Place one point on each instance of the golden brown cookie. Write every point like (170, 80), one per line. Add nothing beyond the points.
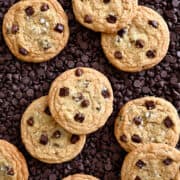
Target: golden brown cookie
(147, 120)
(36, 31)
(12, 163)
(152, 162)
(139, 45)
(104, 15)
(80, 177)
(44, 138)
(81, 100)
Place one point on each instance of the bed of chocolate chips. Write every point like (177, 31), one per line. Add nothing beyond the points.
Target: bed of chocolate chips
(20, 83)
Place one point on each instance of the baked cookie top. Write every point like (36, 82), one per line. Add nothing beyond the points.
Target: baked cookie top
(36, 31)
(81, 100)
(44, 138)
(139, 45)
(80, 177)
(12, 163)
(152, 162)
(104, 15)
(147, 120)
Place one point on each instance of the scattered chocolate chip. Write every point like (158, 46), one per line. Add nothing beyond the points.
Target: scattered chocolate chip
(56, 134)
(23, 51)
(85, 103)
(47, 111)
(74, 139)
(30, 121)
(29, 11)
(123, 138)
(153, 23)
(137, 178)
(118, 55)
(122, 32)
(111, 19)
(150, 105)
(44, 139)
(88, 19)
(79, 72)
(137, 120)
(167, 161)
(59, 28)
(105, 93)
(64, 92)
(151, 53)
(136, 138)
(10, 171)
(106, 1)
(140, 164)
(139, 43)
(79, 117)
(44, 7)
(15, 28)
(168, 122)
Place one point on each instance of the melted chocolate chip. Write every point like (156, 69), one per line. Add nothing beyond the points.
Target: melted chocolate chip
(123, 138)
(137, 178)
(59, 28)
(47, 111)
(79, 72)
(167, 161)
(44, 139)
(29, 11)
(10, 171)
(44, 7)
(88, 19)
(23, 51)
(111, 19)
(137, 120)
(74, 139)
(139, 43)
(85, 103)
(64, 92)
(79, 117)
(106, 1)
(136, 138)
(56, 134)
(168, 122)
(118, 55)
(153, 23)
(30, 121)
(15, 28)
(105, 93)
(140, 164)
(151, 53)
(150, 105)
(122, 32)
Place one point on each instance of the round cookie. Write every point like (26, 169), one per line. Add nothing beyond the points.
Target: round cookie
(80, 177)
(139, 45)
(147, 120)
(152, 162)
(36, 31)
(104, 15)
(12, 163)
(44, 138)
(81, 100)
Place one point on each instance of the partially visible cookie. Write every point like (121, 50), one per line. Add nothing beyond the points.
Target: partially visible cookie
(152, 162)
(147, 120)
(139, 45)
(104, 15)
(36, 31)
(12, 163)
(81, 100)
(44, 138)
(80, 177)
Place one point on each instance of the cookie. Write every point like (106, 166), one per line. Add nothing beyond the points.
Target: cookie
(80, 177)
(104, 15)
(81, 100)
(139, 45)
(12, 163)
(36, 31)
(147, 120)
(44, 139)
(152, 162)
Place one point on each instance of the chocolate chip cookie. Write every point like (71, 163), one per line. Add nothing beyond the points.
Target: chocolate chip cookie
(145, 120)
(36, 31)
(44, 138)
(152, 162)
(80, 177)
(139, 45)
(104, 15)
(12, 163)
(81, 100)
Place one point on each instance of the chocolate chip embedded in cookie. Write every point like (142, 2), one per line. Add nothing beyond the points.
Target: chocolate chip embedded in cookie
(36, 31)
(81, 100)
(104, 16)
(139, 45)
(80, 177)
(147, 120)
(44, 139)
(12, 163)
(153, 161)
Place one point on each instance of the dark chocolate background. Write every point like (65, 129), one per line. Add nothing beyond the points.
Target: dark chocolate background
(20, 83)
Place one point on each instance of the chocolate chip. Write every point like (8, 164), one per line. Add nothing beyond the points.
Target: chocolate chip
(151, 53)
(137, 120)
(47, 111)
(168, 122)
(122, 32)
(85, 103)
(44, 7)
(56, 134)
(79, 117)
(23, 51)
(10, 171)
(106, 1)
(105, 93)
(137, 178)
(111, 19)
(15, 28)
(88, 19)
(29, 11)
(123, 138)
(136, 138)
(44, 139)
(118, 55)
(140, 164)
(64, 92)
(79, 72)
(153, 23)
(139, 43)
(30, 121)
(78, 97)
(150, 105)
(59, 28)
(74, 139)
(167, 161)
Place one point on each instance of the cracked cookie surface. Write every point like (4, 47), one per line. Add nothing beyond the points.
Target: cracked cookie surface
(80, 177)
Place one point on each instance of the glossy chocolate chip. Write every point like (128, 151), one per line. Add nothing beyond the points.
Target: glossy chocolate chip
(59, 27)
(29, 11)
(14, 29)
(79, 117)
(85, 103)
(88, 19)
(23, 51)
(64, 92)
(44, 7)
(56, 134)
(79, 72)
(122, 32)
(151, 53)
(137, 120)
(10, 171)
(153, 23)
(74, 139)
(30, 121)
(47, 111)
(140, 164)
(168, 122)
(123, 138)
(105, 93)
(118, 55)
(150, 105)
(106, 1)
(44, 139)
(111, 19)
(136, 138)
(139, 43)
(137, 178)
(168, 161)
